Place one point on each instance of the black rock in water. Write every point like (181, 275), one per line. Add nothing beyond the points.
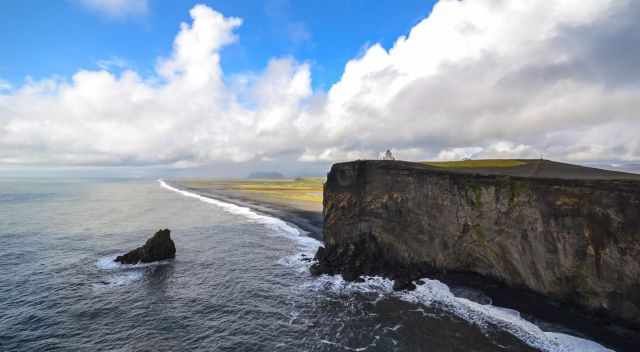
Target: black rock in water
(158, 247)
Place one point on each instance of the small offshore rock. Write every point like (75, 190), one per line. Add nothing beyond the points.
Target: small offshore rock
(158, 247)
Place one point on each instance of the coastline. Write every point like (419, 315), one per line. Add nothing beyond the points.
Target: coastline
(305, 218)
(547, 313)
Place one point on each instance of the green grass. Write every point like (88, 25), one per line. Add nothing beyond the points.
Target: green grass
(483, 163)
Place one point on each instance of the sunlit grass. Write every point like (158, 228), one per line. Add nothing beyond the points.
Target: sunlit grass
(303, 189)
(482, 163)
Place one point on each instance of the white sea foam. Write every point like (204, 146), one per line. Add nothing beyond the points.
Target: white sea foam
(121, 274)
(432, 293)
(119, 279)
(435, 293)
(107, 263)
(278, 226)
(125, 278)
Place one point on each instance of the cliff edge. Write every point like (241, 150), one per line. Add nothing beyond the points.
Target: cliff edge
(564, 231)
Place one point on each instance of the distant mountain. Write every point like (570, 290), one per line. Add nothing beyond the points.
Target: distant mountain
(271, 175)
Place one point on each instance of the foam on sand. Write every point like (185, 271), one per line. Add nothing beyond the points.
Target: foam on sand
(279, 226)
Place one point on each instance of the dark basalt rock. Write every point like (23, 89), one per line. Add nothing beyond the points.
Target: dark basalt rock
(158, 247)
(565, 232)
(365, 257)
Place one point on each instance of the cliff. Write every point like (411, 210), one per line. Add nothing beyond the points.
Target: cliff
(563, 231)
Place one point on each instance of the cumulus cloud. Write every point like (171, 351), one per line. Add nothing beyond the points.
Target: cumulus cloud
(183, 115)
(532, 77)
(484, 78)
(112, 63)
(117, 8)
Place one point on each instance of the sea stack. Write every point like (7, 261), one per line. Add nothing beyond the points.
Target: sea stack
(158, 247)
(567, 232)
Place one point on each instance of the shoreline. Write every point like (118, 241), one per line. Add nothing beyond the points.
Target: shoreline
(546, 312)
(307, 220)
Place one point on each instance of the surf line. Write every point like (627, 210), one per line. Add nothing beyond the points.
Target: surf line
(432, 293)
(272, 222)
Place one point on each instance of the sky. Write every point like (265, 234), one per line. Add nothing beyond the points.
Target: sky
(224, 88)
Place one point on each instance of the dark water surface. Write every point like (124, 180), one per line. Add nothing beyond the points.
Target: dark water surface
(238, 283)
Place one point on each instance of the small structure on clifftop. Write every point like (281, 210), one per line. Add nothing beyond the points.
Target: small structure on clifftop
(567, 232)
(388, 156)
(158, 247)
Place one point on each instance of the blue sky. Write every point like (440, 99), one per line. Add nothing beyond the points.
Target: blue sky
(300, 85)
(45, 38)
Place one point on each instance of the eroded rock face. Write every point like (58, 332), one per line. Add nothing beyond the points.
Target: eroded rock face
(158, 247)
(573, 240)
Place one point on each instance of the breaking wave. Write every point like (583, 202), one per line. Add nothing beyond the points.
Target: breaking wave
(279, 226)
(432, 293)
(117, 274)
(436, 294)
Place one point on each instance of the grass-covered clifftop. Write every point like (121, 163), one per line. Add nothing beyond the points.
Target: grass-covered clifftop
(528, 168)
(304, 193)
(563, 231)
(481, 163)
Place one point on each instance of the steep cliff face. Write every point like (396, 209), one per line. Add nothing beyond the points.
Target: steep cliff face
(576, 240)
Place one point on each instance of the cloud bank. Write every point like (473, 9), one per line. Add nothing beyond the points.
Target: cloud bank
(484, 78)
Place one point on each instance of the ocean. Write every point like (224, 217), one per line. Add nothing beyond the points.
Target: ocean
(239, 282)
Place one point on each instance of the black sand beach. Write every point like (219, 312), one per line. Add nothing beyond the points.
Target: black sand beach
(305, 215)
(554, 315)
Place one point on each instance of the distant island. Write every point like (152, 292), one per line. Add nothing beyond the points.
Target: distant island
(266, 175)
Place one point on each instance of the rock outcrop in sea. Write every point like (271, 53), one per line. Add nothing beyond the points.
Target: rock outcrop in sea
(566, 232)
(158, 247)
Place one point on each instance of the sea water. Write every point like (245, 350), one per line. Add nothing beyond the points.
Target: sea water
(239, 282)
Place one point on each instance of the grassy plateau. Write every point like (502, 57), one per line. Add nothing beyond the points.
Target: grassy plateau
(480, 164)
(307, 190)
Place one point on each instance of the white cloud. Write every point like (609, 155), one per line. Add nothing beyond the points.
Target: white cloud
(184, 115)
(114, 62)
(117, 8)
(4, 85)
(481, 78)
(489, 73)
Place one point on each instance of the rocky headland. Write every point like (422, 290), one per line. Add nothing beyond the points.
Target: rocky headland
(553, 230)
(158, 247)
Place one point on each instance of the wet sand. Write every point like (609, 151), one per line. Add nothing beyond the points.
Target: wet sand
(547, 313)
(307, 215)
